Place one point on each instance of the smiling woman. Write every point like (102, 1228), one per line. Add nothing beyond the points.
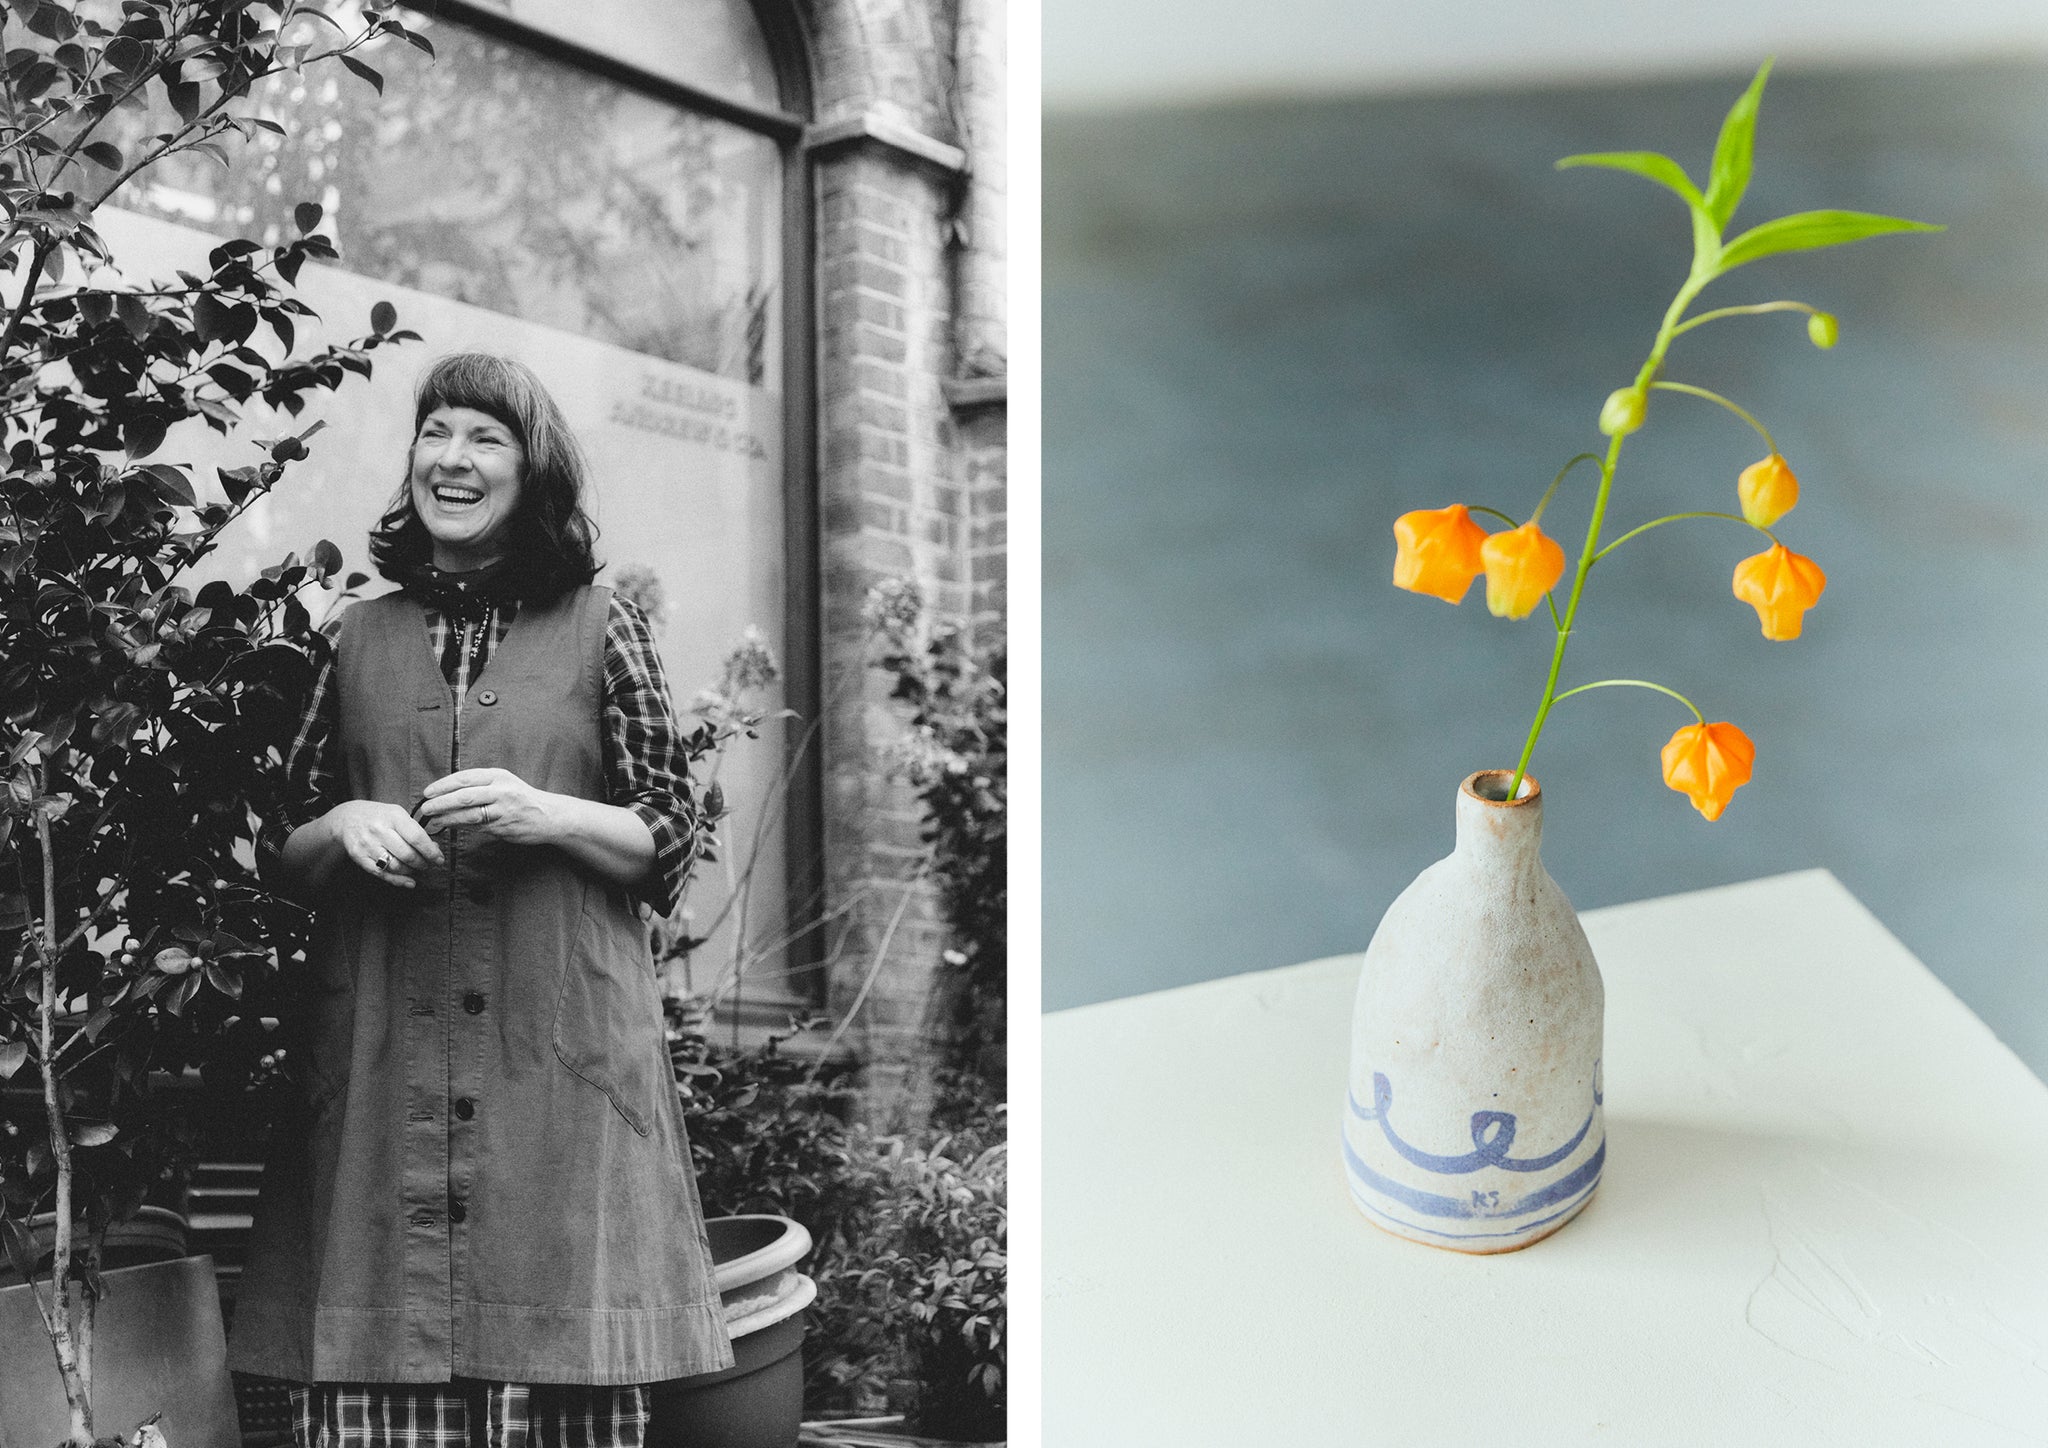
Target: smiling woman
(488, 784)
(465, 475)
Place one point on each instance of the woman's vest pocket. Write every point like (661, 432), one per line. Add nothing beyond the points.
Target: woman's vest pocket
(608, 1018)
(328, 1006)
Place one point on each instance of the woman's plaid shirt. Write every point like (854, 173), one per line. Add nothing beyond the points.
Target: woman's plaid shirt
(468, 1414)
(645, 768)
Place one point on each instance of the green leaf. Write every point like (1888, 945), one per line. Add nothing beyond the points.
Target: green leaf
(184, 100)
(211, 318)
(1734, 152)
(357, 68)
(134, 314)
(1807, 230)
(94, 1133)
(12, 1056)
(171, 484)
(125, 54)
(1648, 164)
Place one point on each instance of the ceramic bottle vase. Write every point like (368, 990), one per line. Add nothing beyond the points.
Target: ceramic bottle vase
(1474, 1119)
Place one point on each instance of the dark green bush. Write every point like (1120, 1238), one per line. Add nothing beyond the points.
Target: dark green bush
(910, 1235)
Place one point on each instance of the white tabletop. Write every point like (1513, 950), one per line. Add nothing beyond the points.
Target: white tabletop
(1824, 1218)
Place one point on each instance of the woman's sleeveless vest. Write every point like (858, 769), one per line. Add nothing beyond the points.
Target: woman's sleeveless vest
(494, 1182)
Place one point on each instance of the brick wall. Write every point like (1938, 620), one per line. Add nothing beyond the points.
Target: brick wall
(911, 447)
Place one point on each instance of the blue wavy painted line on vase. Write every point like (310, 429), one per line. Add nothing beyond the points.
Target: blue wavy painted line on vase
(1493, 1135)
(1480, 1207)
(1520, 1229)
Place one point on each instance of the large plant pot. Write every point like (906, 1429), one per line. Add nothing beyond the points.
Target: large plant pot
(158, 1348)
(1474, 1120)
(757, 1402)
(153, 1234)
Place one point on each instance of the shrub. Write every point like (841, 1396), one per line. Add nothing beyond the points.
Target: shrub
(136, 715)
(955, 752)
(932, 1273)
(910, 1235)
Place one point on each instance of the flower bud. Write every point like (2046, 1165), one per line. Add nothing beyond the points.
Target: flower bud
(1768, 490)
(1622, 413)
(1823, 329)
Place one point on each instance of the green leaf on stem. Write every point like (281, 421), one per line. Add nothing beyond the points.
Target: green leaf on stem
(1648, 164)
(1734, 153)
(134, 314)
(1809, 230)
(184, 98)
(126, 54)
(356, 67)
(171, 484)
(13, 1056)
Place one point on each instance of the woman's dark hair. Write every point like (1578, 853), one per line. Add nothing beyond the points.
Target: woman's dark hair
(549, 545)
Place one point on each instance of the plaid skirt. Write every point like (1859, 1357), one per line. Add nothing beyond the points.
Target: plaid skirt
(467, 1414)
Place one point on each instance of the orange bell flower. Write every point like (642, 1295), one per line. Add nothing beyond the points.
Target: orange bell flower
(1780, 585)
(1522, 565)
(1708, 763)
(1438, 551)
(1768, 491)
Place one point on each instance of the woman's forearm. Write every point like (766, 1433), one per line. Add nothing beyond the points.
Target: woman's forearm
(607, 838)
(309, 857)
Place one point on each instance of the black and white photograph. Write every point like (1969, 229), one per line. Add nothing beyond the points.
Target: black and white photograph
(503, 640)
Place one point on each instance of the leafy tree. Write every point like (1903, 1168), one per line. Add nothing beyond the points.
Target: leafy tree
(137, 713)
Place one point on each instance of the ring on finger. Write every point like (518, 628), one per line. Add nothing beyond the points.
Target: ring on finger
(386, 862)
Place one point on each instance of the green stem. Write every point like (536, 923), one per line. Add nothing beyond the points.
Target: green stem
(1492, 513)
(1666, 330)
(1716, 397)
(1581, 458)
(1632, 684)
(1679, 518)
(1751, 311)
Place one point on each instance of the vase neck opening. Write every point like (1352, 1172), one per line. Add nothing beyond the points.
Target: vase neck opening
(1492, 827)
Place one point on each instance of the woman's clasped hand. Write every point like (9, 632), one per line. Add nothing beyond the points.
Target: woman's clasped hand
(493, 802)
(396, 847)
(384, 840)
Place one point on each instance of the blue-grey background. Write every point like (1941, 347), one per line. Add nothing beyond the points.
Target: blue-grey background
(1270, 328)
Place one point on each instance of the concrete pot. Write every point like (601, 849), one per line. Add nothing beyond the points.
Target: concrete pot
(158, 1348)
(757, 1402)
(1474, 1119)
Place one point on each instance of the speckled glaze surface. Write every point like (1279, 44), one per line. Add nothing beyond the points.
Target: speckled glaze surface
(1474, 1116)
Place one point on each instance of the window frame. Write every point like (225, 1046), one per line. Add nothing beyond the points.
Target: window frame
(802, 645)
